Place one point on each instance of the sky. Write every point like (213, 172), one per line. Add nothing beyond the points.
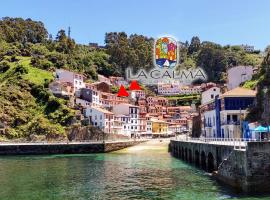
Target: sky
(225, 22)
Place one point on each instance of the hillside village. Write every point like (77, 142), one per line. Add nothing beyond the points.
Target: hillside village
(141, 115)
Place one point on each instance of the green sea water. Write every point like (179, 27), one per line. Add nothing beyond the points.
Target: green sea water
(146, 171)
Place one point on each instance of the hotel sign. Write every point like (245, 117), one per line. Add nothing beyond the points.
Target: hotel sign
(166, 66)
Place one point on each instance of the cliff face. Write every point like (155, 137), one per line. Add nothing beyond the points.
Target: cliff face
(260, 111)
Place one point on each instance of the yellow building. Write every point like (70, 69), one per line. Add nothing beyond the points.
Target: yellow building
(159, 127)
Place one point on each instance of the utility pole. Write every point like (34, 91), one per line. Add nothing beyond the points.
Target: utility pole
(69, 31)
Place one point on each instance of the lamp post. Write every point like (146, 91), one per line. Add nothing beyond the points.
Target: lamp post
(266, 110)
(103, 135)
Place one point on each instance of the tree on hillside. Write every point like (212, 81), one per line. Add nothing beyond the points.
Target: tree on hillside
(20, 30)
(194, 45)
(134, 51)
(213, 60)
(64, 43)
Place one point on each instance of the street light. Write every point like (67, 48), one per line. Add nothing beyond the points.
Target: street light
(266, 111)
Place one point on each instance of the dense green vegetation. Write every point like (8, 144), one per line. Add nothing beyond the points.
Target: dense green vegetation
(27, 106)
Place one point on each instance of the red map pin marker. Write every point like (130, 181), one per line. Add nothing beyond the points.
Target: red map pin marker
(122, 92)
(134, 85)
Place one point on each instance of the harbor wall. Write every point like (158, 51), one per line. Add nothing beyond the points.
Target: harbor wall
(244, 169)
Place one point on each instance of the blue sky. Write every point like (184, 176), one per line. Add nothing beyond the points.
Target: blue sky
(223, 21)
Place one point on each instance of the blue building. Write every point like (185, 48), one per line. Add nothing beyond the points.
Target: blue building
(222, 117)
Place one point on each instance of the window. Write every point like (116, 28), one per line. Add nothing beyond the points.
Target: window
(100, 117)
(212, 96)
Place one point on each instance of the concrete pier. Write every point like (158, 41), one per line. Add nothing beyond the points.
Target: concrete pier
(64, 148)
(245, 169)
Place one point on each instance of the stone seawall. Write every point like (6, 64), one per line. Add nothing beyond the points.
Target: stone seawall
(61, 148)
(247, 170)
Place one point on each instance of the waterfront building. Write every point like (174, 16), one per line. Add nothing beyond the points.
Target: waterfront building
(238, 75)
(132, 112)
(118, 125)
(76, 80)
(100, 118)
(222, 117)
(159, 127)
(174, 128)
(142, 126)
(124, 122)
(149, 126)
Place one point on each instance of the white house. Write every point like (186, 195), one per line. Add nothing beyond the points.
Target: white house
(210, 94)
(77, 80)
(91, 95)
(124, 122)
(101, 118)
(132, 112)
(238, 75)
(82, 102)
(140, 94)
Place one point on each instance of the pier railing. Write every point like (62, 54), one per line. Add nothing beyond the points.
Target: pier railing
(237, 143)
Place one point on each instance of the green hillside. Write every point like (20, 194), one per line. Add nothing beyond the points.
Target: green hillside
(26, 106)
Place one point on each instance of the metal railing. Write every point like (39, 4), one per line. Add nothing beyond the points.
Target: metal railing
(237, 143)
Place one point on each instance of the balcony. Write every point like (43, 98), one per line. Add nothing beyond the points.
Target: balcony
(208, 125)
(230, 123)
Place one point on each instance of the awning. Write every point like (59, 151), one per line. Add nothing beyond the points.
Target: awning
(260, 129)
